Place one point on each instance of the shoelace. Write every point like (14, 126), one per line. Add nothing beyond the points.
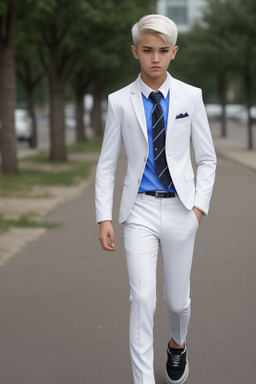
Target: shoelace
(176, 360)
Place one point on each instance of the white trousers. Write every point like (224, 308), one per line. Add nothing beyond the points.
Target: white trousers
(155, 222)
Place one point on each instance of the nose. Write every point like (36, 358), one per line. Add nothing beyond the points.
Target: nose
(155, 58)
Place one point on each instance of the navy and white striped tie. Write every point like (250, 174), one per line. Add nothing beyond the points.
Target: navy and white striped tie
(159, 140)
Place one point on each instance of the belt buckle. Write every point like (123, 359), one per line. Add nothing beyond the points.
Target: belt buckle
(159, 193)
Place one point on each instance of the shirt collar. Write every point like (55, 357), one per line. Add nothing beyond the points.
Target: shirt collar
(164, 89)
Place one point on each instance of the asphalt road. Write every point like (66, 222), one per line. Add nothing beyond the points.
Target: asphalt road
(64, 302)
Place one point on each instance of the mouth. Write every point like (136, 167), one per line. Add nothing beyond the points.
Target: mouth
(155, 67)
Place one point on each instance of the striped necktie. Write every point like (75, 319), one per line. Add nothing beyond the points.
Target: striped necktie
(159, 140)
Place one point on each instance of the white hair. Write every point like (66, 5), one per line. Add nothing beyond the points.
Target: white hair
(157, 24)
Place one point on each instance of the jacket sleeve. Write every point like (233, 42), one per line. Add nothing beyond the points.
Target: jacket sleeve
(204, 155)
(105, 173)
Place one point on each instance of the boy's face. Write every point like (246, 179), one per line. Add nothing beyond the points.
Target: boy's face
(154, 56)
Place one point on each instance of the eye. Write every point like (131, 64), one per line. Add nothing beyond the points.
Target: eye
(146, 50)
(164, 51)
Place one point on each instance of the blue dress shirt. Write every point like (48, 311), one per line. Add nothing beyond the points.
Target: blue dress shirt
(150, 180)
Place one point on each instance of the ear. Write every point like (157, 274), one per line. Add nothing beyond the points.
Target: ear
(174, 51)
(134, 51)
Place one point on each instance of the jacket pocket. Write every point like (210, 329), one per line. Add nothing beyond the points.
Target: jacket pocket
(188, 176)
(195, 218)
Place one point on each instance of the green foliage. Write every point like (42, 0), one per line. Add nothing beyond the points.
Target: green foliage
(104, 46)
(221, 48)
(53, 22)
(24, 221)
(28, 65)
(92, 39)
(3, 8)
(88, 37)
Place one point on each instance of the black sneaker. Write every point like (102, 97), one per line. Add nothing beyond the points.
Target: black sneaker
(177, 365)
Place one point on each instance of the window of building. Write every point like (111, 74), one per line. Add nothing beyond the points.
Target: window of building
(178, 11)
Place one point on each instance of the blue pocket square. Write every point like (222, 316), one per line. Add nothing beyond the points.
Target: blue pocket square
(181, 115)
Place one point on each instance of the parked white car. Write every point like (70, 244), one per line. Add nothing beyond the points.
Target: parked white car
(23, 125)
(233, 111)
(70, 117)
(213, 111)
(244, 116)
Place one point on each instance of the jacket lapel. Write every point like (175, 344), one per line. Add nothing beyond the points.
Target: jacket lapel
(173, 105)
(138, 107)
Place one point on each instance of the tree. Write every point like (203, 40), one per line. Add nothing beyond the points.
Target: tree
(7, 87)
(210, 46)
(80, 84)
(55, 22)
(218, 52)
(242, 25)
(222, 47)
(106, 45)
(210, 54)
(11, 12)
(28, 68)
(233, 24)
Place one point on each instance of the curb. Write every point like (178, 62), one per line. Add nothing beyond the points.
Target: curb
(235, 151)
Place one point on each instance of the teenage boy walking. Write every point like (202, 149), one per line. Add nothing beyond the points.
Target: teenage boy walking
(155, 118)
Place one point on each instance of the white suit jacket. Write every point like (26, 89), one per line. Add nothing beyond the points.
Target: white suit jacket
(126, 124)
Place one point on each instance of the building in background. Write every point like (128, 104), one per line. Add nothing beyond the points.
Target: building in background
(183, 12)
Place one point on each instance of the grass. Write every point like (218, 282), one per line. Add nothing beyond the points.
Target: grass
(50, 174)
(21, 184)
(90, 145)
(93, 144)
(24, 221)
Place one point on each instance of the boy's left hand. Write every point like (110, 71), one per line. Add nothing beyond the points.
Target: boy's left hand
(198, 214)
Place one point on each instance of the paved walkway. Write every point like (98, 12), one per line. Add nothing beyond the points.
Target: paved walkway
(64, 302)
(235, 151)
(13, 241)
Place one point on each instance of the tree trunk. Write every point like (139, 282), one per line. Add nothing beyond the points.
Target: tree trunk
(31, 111)
(8, 99)
(97, 111)
(80, 128)
(248, 92)
(223, 102)
(57, 114)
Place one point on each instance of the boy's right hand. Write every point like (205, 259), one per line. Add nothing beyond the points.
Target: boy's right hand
(106, 236)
